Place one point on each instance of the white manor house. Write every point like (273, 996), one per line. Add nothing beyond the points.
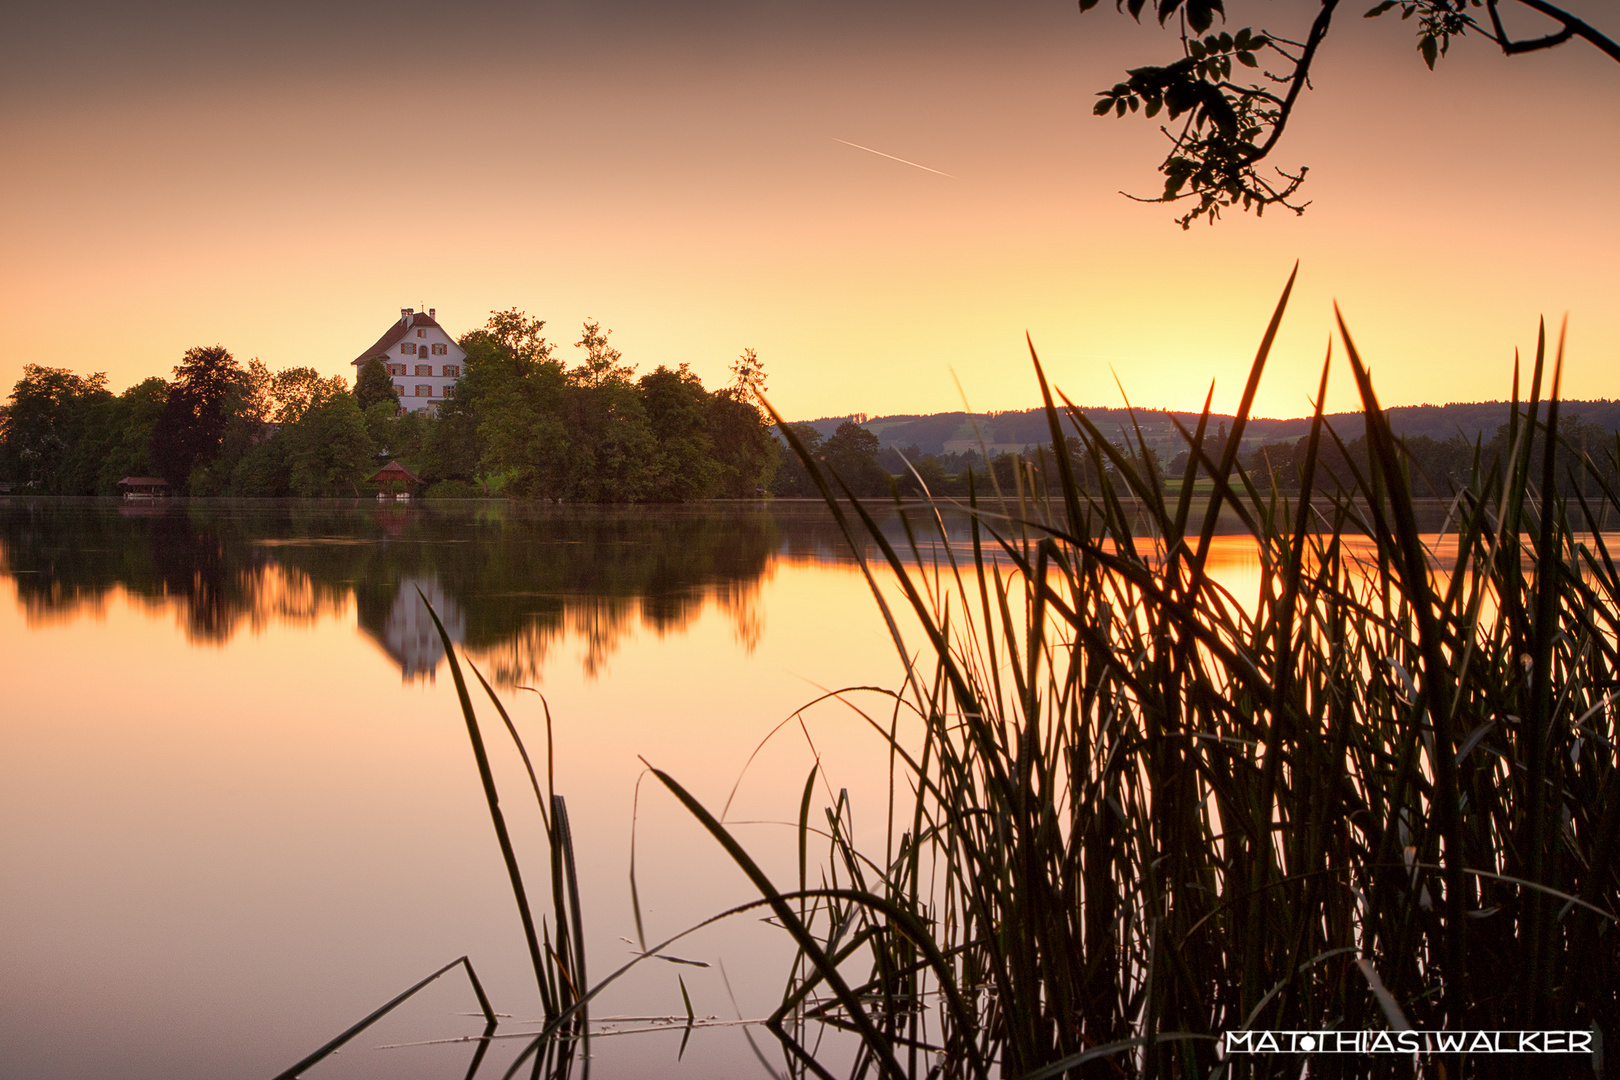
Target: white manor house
(422, 358)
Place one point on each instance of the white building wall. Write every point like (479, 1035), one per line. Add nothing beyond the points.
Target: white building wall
(418, 367)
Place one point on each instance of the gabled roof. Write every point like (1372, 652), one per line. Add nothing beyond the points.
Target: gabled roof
(394, 471)
(396, 333)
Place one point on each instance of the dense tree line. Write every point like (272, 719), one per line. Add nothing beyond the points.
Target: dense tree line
(520, 422)
(1438, 467)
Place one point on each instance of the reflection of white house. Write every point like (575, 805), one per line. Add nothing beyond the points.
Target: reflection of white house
(410, 637)
(425, 362)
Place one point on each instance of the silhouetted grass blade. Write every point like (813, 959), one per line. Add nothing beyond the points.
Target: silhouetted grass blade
(349, 1033)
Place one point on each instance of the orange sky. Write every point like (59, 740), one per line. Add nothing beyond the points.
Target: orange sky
(283, 183)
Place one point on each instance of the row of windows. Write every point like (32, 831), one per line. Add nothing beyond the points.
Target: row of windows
(422, 390)
(451, 371)
(409, 349)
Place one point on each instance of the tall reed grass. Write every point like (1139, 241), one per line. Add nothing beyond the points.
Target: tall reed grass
(1137, 812)
(1143, 812)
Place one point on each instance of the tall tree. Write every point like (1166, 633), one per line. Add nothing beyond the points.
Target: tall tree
(328, 450)
(601, 364)
(509, 361)
(677, 410)
(744, 450)
(45, 421)
(373, 386)
(1230, 122)
(295, 390)
(188, 433)
(852, 454)
(792, 478)
(129, 452)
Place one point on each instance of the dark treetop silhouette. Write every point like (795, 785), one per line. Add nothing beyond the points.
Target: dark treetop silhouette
(1229, 127)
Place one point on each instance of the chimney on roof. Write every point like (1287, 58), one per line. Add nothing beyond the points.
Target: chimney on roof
(404, 314)
(431, 313)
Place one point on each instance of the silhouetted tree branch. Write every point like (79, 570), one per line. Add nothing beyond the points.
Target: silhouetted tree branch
(1229, 127)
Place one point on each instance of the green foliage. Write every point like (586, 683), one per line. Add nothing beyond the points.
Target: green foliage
(677, 409)
(296, 390)
(521, 426)
(129, 426)
(44, 427)
(852, 455)
(328, 451)
(612, 447)
(452, 489)
(793, 478)
(746, 456)
(601, 365)
(373, 386)
(263, 470)
(516, 424)
(209, 388)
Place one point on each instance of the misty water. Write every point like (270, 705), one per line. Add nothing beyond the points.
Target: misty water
(238, 808)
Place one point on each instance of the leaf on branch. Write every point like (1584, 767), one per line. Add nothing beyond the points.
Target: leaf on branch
(1430, 50)
(1372, 14)
(1201, 13)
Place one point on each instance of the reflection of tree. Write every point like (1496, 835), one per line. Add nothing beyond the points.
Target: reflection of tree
(521, 578)
(747, 620)
(68, 556)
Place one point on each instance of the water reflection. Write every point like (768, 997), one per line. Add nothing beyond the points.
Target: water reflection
(409, 636)
(282, 869)
(513, 583)
(510, 582)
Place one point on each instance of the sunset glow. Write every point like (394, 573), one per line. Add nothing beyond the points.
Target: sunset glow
(284, 183)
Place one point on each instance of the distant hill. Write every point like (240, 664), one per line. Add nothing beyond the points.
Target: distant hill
(943, 433)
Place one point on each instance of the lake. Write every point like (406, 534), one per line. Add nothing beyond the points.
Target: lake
(238, 808)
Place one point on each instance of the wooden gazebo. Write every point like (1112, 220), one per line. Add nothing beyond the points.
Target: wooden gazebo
(394, 473)
(144, 487)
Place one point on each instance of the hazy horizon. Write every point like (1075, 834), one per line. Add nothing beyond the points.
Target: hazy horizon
(283, 182)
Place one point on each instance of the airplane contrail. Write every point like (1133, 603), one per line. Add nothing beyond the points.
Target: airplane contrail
(891, 157)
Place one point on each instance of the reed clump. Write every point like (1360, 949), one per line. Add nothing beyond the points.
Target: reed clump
(1136, 811)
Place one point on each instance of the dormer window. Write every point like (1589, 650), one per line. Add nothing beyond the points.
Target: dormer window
(408, 348)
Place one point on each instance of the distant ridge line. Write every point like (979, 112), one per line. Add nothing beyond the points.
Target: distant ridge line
(940, 433)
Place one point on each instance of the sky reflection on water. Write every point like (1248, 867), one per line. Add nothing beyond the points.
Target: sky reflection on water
(240, 812)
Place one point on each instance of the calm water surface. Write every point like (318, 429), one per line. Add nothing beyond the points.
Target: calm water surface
(238, 809)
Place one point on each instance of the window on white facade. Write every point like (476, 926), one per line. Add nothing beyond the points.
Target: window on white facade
(424, 369)
(421, 333)
(441, 350)
(396, 369)
(423, 390)
(408, 348)
(452, 371)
